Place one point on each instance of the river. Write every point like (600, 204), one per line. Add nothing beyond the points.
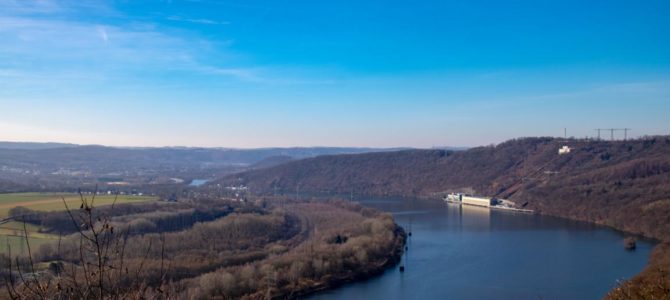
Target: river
(199, 182)
(473, 253)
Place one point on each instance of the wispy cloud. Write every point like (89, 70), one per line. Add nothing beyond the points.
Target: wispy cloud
(35, 44)
(197, 21)
(48, 41)
(67, 45)
(103, 34)
(271, 76)
(246, 74)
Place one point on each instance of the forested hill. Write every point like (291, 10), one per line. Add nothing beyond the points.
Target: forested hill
(624, 184)
(16, 155)
(57, 167)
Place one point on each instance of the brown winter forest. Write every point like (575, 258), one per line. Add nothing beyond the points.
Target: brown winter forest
(622, 184)
(202, 249)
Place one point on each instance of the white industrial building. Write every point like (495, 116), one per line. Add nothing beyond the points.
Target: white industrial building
(477, 201)
(471, 200)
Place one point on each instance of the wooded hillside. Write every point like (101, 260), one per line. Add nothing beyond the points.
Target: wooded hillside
(622, 184)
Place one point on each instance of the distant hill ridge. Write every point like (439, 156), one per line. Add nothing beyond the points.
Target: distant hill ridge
(612, 183)
(33, 145)
(622, 184)
(72, 155)
(55, 166)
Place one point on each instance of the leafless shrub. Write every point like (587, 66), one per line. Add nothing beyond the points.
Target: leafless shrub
(94, 266)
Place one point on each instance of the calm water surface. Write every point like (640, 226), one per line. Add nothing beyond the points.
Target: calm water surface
(472, 253)
(198, 182)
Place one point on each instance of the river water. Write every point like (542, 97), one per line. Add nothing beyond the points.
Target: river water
(473, 253)
(198, 182)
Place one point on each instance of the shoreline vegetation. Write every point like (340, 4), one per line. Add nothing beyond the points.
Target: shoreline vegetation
(267, 247)
(305, 246)
(620, 184)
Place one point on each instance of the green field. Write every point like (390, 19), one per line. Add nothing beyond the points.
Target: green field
(12, 233)
(54, 202)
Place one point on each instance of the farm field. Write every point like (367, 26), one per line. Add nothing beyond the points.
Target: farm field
(53, 201)
(12, 233)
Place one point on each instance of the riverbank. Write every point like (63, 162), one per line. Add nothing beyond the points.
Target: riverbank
(370, 271)
(652, 283)
(455, 248)
(338, 242)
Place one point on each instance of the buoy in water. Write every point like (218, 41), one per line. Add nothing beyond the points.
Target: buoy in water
(402, 268)
(410, 233)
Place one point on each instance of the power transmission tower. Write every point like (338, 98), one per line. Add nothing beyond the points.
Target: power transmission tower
(625, 133)
(612, 130)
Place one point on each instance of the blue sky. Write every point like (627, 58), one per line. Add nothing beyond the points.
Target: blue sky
(330, 73)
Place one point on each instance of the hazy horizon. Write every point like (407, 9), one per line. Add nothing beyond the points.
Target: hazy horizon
(227, 147)
(253, 74)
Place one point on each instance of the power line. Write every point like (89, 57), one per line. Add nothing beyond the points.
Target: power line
(612, 130)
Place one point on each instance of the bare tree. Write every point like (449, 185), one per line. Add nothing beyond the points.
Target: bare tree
(97, 269)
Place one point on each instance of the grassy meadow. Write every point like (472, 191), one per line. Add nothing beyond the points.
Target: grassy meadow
(12, 232)
(54, 201)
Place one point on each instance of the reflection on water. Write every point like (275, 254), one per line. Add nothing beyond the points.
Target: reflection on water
(474, 217)
(474, 253)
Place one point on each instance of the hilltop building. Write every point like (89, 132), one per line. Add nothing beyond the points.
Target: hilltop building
(564, 150)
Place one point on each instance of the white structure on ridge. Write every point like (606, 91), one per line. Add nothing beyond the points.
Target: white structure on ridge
(564, 150)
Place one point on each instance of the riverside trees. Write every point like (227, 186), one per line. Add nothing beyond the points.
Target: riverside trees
(251, 250)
